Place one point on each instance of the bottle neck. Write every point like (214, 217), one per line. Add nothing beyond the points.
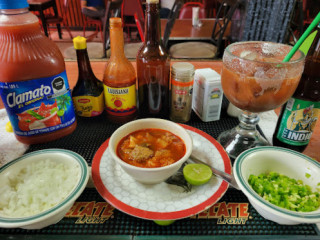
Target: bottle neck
(314, 50)
(311, 66)
(152, 24)
(84, 64)
(116, 41)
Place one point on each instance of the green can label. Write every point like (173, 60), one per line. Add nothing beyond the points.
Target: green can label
(298, 121)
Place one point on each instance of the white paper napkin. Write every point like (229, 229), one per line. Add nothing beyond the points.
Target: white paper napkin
(267, 123)
(10, 147)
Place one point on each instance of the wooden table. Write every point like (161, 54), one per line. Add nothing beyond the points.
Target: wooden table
(183, 29)
(313, 149)
(40, 6)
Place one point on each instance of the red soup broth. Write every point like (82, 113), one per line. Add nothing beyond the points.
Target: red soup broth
(151, 148)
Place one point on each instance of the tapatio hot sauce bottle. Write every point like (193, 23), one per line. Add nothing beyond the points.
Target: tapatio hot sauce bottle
(119, 79)
(33, 81)
(153, 68)
(299, 115)
(87, 95)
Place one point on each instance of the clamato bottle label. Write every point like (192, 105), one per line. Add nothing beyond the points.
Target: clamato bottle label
(298, 122)
(120, 101)
(38, 106)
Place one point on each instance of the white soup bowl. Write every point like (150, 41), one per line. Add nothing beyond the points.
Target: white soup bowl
(150, 175)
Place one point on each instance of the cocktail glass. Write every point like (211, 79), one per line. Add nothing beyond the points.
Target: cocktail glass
(255, 80)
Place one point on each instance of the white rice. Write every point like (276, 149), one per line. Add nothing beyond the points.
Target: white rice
(36, 188)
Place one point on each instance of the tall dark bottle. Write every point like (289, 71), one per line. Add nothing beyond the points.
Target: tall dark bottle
(153, 67)
(87, 94)
(298, 116)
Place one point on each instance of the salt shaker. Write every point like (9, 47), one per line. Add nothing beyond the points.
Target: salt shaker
(207, 94)
(182, 74)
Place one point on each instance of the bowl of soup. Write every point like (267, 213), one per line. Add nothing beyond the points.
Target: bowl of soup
(150, 150)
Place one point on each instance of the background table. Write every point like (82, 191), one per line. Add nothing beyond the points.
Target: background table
(183, 29)
(313, 149)
(84, 221)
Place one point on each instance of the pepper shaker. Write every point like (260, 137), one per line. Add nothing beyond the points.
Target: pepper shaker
(182, 74)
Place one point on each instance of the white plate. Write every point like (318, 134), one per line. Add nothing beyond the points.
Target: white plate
(161, 201)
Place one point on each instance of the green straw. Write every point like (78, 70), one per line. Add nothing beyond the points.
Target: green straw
(314, 23)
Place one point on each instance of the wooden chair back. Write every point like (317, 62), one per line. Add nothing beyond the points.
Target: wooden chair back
(60, 19)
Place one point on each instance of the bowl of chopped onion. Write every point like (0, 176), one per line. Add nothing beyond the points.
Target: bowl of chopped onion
(281, 184)
(150, 150)
(39, 188)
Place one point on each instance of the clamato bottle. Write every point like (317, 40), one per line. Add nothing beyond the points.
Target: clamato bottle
(33, 80)
(119, 79)
(298, 116)
(153, 68)
(87, 95)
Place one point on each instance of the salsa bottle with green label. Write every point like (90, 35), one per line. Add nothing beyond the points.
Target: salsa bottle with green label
(87, 95)
(298, 116)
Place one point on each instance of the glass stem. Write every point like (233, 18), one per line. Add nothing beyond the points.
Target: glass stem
(248, 120)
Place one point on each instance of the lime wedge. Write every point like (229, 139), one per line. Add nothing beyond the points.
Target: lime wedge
(197, 174)
(164, 222)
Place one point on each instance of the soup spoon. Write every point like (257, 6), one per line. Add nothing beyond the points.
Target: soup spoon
(229, 178)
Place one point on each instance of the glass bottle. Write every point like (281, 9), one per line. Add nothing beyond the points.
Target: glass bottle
(119, 79)
(153, 67)
(87, 94)
(33, 80)
(298, 116)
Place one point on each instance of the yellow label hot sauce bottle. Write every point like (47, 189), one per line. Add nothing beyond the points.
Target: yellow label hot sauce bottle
(119, 79)
(87, 95)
